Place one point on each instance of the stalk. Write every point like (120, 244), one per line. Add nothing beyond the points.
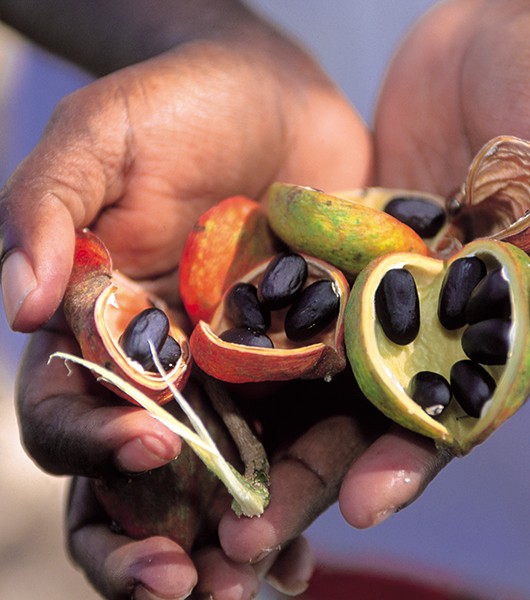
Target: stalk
(249, 497)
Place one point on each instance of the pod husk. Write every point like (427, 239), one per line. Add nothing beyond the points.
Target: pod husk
(342, 232)
(99, 303)
(226, 242)
(288, 360)
(383, 369)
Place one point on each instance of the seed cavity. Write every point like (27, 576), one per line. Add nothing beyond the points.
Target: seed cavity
(313, 310)
(283, 279)
(472, 386)
(246, 337)
(488, 342)
(150, 325)
(425, 217)
(431, 391)
(490, 299)
(397, 306)
(245, 310)
(461, 278)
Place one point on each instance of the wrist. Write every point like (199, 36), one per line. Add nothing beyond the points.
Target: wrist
(102, 36)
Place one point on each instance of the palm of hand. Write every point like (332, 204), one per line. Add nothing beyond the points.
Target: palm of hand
(457, 81)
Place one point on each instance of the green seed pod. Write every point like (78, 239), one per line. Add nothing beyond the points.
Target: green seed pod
(384, 369)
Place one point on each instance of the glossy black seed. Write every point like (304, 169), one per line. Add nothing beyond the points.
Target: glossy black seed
(246, 337)
(397, 306)
(423, 216)
(151, 325)
(283, 280)
(431, 391)
(245, 310)
(313, 310)
(169, 354)
(490, 299)
(472, 386)
(488, 342)
(459, 282)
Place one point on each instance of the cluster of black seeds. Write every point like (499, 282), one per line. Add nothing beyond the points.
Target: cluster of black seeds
(150, 325)
(425, 217)
(310, 309)
(471, 296)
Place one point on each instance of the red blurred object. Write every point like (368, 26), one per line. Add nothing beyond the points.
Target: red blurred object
(341, 584)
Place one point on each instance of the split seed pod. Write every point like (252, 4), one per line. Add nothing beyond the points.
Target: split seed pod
(342, 232)
(494, 200)
(482, 351)
(99, 303)
(309, 356)
(227, 241)
(424, 213)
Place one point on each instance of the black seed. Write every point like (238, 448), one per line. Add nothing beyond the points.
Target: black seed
(246, 337)
(431, 391)
(314, 309)
(488, 342)
(423, 216)
(282, 281)
(151, 325)
(397, 306)
(245, 310)
(490, 298)
(169, 354)
(472, 386)
(459, 281)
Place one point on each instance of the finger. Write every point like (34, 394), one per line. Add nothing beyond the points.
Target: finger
(304, 482)
(60, 186)
(121, 568)
(71, 424)
(391, 474)
(222, 578)
(292, 568)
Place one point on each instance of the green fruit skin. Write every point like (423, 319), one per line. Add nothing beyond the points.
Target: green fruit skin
(344, 233)
(516, 388)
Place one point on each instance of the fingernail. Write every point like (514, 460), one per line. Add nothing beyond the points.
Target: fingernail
(382, 515)
(263, 554)
(143, 454)
(142, 593)
(18, 280)
(293, 589)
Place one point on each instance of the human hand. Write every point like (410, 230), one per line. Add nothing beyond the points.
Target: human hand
(186, 129)
(138, 156)
(458, 80)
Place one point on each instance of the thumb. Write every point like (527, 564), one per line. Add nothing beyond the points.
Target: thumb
(38, 242)
(59, 187)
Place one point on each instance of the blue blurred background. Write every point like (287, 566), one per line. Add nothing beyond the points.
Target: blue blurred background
(472, 525)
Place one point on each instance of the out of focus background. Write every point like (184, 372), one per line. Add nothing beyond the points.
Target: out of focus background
(470, 529)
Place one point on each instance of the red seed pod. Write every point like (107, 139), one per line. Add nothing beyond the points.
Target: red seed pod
(320, 356)
(99, 303)
(227, 241)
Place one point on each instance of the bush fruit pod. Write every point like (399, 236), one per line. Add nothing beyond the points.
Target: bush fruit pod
(100, 303)
(423, 212)
(387, 372)
(342, 232)
(227, 241)
(318, 353)
(494, 199)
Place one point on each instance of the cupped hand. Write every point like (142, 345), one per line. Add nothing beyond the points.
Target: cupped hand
(137, 156)
(459, 79)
